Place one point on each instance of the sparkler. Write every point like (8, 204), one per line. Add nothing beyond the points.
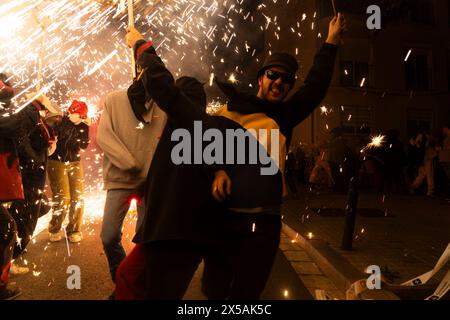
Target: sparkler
(407, 55)
(377, 141)
(333, 3)
(131, 25)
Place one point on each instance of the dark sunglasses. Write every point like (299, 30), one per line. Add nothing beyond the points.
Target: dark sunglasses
(285, 77)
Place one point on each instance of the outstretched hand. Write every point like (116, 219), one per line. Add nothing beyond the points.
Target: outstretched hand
(336, 28)
(221, 186)
(132, 37)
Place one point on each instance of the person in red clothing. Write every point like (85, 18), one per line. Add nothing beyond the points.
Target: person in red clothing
(11, 124)
(65, 172)
(130, 276)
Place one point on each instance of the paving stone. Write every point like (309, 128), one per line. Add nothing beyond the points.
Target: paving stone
(306, 268)
(403, 243)
(296, 255)
(290, 247)
(318, 282)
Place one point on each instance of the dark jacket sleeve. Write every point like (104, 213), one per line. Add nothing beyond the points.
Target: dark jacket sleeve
(160, 85)
(82, 135)
(17, 124)
(316, 85)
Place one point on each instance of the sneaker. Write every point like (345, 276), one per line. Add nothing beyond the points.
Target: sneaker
(54, 237)
(18, 270)
(10, 294)
(75, 238)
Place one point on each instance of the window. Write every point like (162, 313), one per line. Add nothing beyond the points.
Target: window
(417, 73)
(354, 74)
(356, 120)
(422, 12)
(448, 12)
(419, 119)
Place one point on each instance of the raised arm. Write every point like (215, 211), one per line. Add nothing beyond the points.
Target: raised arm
(158, 83)
(317, 82)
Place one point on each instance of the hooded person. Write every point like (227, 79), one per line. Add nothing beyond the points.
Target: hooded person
(34, 149)
(65, 172)
(12, 124)
(128, 134)
(170, 229)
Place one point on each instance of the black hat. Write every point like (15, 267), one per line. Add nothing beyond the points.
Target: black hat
(281, 59)
(193, 90)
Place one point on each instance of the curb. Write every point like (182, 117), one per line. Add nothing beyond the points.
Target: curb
(334, 266)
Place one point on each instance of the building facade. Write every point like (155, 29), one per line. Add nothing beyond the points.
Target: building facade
(394, 78)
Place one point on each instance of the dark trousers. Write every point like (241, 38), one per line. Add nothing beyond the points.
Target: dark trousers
(170, 266)
(247, 256)
(27, 212)
(7, 239)
(26, 215)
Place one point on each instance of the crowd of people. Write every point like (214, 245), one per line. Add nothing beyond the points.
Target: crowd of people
(420, 166)
(37, 142)
(225, 214)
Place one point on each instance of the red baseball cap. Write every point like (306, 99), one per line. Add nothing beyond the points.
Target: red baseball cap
(79, 107)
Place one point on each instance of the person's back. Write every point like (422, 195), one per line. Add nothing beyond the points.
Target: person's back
(128, 146)
(125, 165)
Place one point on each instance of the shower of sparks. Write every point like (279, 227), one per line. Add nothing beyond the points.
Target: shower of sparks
(376, 142)
(80, 47)
(77, 49)
(407, 55)
(232, 78)
(213, 107)
(363, 81)
(324, 110)
(67, 241)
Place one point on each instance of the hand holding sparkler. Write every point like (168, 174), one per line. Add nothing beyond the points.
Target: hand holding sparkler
(336, 28)
(132, 37)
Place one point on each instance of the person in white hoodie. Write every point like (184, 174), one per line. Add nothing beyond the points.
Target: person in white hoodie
(128, 144)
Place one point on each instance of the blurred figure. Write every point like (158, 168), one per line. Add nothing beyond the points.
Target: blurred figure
(444, 156)
(341, 159)
(394, 158)
(321, 165)
(415, 156)
(426, 170)
(290, 173)
(300, 157)
(34, 149)
(66, 174)
(11, 188)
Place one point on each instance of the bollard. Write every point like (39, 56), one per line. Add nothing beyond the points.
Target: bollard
(350, 214)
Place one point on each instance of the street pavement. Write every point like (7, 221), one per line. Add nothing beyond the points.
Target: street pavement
(49, 264)
(406, 239)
